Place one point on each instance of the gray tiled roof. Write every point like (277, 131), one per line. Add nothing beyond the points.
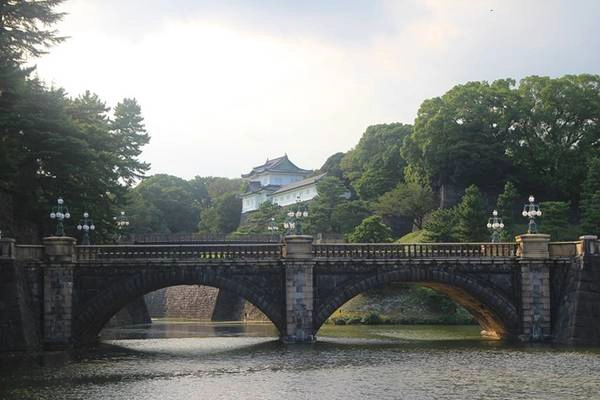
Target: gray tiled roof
(280, 164)
(298, 184)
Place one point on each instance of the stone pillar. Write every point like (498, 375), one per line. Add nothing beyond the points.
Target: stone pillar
(58, 290)
(589, 245)
(299, 298)
(535, 287)
(7, 248)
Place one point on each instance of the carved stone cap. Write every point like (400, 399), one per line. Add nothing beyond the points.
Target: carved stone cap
(533, 245)
(589, 245)
(7, 248)
(297, 246)
(59, 248)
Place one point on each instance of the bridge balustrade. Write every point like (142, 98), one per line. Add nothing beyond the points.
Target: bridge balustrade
(205, 252)
(414, 250)
(29, 252)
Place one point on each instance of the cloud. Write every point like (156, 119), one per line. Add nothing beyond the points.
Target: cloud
(223, 87)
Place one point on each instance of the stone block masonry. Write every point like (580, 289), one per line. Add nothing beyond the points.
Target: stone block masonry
(527, 292)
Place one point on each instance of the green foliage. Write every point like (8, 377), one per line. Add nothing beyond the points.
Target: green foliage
(347, 215)
(555, 220)
(414, 237)
(259, 221)
(223, 217)
(590, 215)
(25, 28)
(590, 200)
(556, 133)
(130, 133)
(508, 206)
(217, 186)
(165, 204)
(332, 166)
(371, 230)
(321, 208)
(458, 138)
(471, 217)
(375, 165)
(406, 200)
(439, 225)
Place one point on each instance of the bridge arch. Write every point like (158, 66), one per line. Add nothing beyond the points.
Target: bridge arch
(97, 311)
(491, 309)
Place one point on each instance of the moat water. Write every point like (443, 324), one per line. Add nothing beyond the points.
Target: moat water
(198, 360)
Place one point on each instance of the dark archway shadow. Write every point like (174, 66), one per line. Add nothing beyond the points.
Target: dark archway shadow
(97, 311)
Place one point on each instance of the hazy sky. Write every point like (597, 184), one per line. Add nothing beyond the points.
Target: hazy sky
(225, 84)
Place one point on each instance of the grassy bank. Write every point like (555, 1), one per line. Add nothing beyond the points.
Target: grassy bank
(402, 304)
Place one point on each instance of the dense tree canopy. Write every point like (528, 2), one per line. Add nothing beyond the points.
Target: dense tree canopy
(53, 145)
(539, 133)
(375, 165)
(371, 230)
(164, 204)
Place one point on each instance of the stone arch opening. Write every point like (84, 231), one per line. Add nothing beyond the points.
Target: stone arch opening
(97, 311)
(496, 314)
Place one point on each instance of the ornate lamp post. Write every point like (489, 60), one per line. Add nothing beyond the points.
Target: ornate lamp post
(60, 212)
(86, 225)
(293, 220)
(122, 224)
(532, 210)
(273, 228)
(495, 225)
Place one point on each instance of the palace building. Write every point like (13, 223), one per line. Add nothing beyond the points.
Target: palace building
(278, 181)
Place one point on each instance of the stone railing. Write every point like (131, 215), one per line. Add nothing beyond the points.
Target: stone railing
(563, 249)
(29, 252)
(415, 250)
(191, 251)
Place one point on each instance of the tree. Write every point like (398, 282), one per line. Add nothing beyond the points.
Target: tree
(406, 200)
(347, 215)
(458, 139)
(25, 28)
(556, 133)
(590, 200)
(332, 166)
(128, 129)
(164, 203)
(439, 225)
(508, 209)
(375, 165)
(223, 217)
(330, 191)
(218, 186)
(259, 221)
(371, 230)
(471, 217)
(555, 220)
(590, 216)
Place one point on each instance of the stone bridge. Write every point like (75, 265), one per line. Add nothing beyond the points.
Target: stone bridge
(59, 294)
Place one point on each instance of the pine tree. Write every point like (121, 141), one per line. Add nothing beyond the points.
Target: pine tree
(555, 220)
(129, 131)
(471, 217)
(371, 230)
(439, 225)
(508, 207)
(24, 28)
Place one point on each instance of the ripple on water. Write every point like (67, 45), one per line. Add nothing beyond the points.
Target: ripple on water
(349, 363)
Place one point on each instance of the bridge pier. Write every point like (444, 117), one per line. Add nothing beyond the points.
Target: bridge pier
(299, 299)
(535, 287)
(58, 291)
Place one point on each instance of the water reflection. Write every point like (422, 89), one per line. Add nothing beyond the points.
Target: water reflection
(350, 362)
(168, 328)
